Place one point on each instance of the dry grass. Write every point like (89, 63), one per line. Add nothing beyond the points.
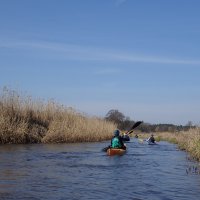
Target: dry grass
(23, 120)
(186, 140)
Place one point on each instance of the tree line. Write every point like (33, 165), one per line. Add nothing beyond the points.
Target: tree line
(124, 123)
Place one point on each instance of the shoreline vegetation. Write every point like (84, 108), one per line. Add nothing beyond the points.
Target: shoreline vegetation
(26, 121)
(188, 141)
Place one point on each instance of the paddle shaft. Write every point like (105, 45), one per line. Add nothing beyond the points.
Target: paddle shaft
(134, 126)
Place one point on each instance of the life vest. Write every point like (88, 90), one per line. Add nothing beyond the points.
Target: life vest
(116, 143)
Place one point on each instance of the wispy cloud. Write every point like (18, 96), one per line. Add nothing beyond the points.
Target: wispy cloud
(154, 59)
(119, 2)
(108, 71)
(88, 53)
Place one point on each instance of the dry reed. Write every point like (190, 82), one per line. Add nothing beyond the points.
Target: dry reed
(186, 140)
(24, 120)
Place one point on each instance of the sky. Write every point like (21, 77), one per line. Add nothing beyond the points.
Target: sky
(140, 57)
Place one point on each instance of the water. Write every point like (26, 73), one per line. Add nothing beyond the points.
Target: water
(83, 171)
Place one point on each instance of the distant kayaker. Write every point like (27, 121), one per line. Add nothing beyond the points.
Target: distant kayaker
(117, 141)
(151, 139)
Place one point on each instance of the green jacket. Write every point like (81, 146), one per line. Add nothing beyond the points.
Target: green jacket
(116, 142)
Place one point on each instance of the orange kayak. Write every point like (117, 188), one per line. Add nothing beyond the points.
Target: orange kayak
(113, 151)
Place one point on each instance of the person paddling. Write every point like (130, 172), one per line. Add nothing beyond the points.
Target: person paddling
(117, 141)
(151, 139)
(125, 137)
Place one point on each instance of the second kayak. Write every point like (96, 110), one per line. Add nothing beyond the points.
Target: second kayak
(151, 143)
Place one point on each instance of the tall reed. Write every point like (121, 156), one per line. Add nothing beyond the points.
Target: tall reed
(24, 120)
(186, 140)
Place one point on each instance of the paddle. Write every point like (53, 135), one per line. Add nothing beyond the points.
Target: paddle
(134, 126)
(126, 137)
(141, 140)
(128, 132)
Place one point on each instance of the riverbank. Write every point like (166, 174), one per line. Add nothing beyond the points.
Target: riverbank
(186, 140)
(24, 120)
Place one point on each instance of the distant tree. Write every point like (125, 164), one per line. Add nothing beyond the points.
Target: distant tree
(116, 117)
(189, 123)
(126, 124)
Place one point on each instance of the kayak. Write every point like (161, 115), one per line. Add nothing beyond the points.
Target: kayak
(147, 142)
(141, 140)
(113, 151)
(151, 143)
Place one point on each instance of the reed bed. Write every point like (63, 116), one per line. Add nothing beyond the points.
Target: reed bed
(25, 120)
(186, 140)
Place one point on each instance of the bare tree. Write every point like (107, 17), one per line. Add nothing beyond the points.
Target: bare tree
(116, 117)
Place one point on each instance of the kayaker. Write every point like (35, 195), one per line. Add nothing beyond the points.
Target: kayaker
(125, 137)
(151, 139)
(117, 141)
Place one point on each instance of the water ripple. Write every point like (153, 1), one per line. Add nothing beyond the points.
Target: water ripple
(83, 171)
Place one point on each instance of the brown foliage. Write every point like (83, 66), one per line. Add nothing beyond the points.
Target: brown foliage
(23, 120)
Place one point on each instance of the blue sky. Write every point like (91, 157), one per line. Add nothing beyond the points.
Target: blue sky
(140, 57)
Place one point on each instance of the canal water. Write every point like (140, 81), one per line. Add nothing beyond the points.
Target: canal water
(83, 171)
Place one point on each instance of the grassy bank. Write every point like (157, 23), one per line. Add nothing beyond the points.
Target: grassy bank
(23, 120)
(186, 140)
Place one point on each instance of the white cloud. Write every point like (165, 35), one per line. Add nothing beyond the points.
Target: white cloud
(88, 53)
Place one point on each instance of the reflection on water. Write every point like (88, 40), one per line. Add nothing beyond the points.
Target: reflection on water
(194, 169)
(83, 171)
